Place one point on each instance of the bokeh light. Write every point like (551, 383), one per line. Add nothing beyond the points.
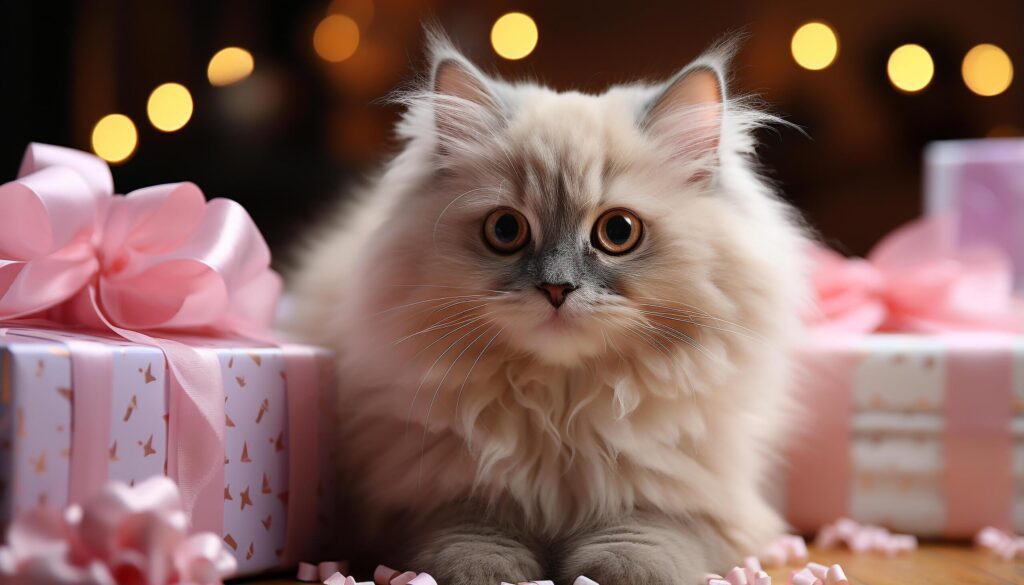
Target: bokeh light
(336, 38)
(230, 65)
(987, 70)
(910, 68)
(169, 107)
(814, 46)
(514, 36)
(114, 138)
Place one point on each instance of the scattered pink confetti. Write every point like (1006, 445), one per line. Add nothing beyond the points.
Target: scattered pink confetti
(785, 550)
(864, 538)
(751, 574)
(1000, 543)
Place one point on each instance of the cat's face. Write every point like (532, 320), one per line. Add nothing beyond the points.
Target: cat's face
(586, 224)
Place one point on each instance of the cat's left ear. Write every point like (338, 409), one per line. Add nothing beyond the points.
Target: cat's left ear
(466, 109)
(687, 113)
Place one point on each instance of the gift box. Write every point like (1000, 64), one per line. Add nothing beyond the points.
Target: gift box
(135, 341)
(38, 428)
(920, 433)
(912, 389)
(981, 182)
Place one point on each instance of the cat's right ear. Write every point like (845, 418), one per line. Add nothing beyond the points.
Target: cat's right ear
(466, 111)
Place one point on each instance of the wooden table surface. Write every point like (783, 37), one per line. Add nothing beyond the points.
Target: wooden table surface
(932, 564)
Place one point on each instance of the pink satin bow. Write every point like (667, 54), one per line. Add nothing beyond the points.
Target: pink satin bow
(122, 536)
(915, 280)
(157, 258)
(147, 265)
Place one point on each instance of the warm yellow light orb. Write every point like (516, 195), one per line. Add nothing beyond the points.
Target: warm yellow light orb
(336, 38)
(987, 70)
(814, 46)
(114, 138)
(910, 68)
(230, 65)
(169, 107)
(514, 36)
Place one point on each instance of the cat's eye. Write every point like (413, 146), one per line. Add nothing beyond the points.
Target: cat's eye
(506, 230)
(617, 231)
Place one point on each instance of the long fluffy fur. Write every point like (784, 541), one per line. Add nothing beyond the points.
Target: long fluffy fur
(666, 397)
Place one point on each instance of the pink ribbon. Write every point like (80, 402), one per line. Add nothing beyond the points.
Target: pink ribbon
(92, 384)
(303, 411)
(119, 535)
(978, 438)
(153, 263)
(915, 280)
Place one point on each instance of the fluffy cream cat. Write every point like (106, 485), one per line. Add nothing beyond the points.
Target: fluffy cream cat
(562, 323)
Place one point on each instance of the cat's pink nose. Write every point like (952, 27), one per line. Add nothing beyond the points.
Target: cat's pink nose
(556, 293)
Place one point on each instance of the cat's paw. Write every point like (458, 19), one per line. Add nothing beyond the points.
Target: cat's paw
(480, 561)
(622, 563)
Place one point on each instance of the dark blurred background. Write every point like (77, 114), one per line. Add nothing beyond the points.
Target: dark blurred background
(289, 138)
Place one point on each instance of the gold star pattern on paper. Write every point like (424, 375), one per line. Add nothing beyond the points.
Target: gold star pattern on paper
(147, 448)
(264, 407)
(867, 482)
(65, 392)
(227, 493)
(39, 464)
(241, 381)
(279, 443)
(256, 359)
(905, 484)
(246, 499)
(267, 522)
(132, 405)
(231, 362)
(230, 541)
(113, 452)
(266, 485)
(245, 453)
(249, 553)
(148, 374)
(227, 421)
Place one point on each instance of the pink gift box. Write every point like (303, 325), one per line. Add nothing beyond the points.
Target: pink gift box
(923, 434)
(981, 182)
(37, 418)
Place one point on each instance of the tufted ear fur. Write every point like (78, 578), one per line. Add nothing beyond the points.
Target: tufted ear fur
(687, 115)
(465, 107)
